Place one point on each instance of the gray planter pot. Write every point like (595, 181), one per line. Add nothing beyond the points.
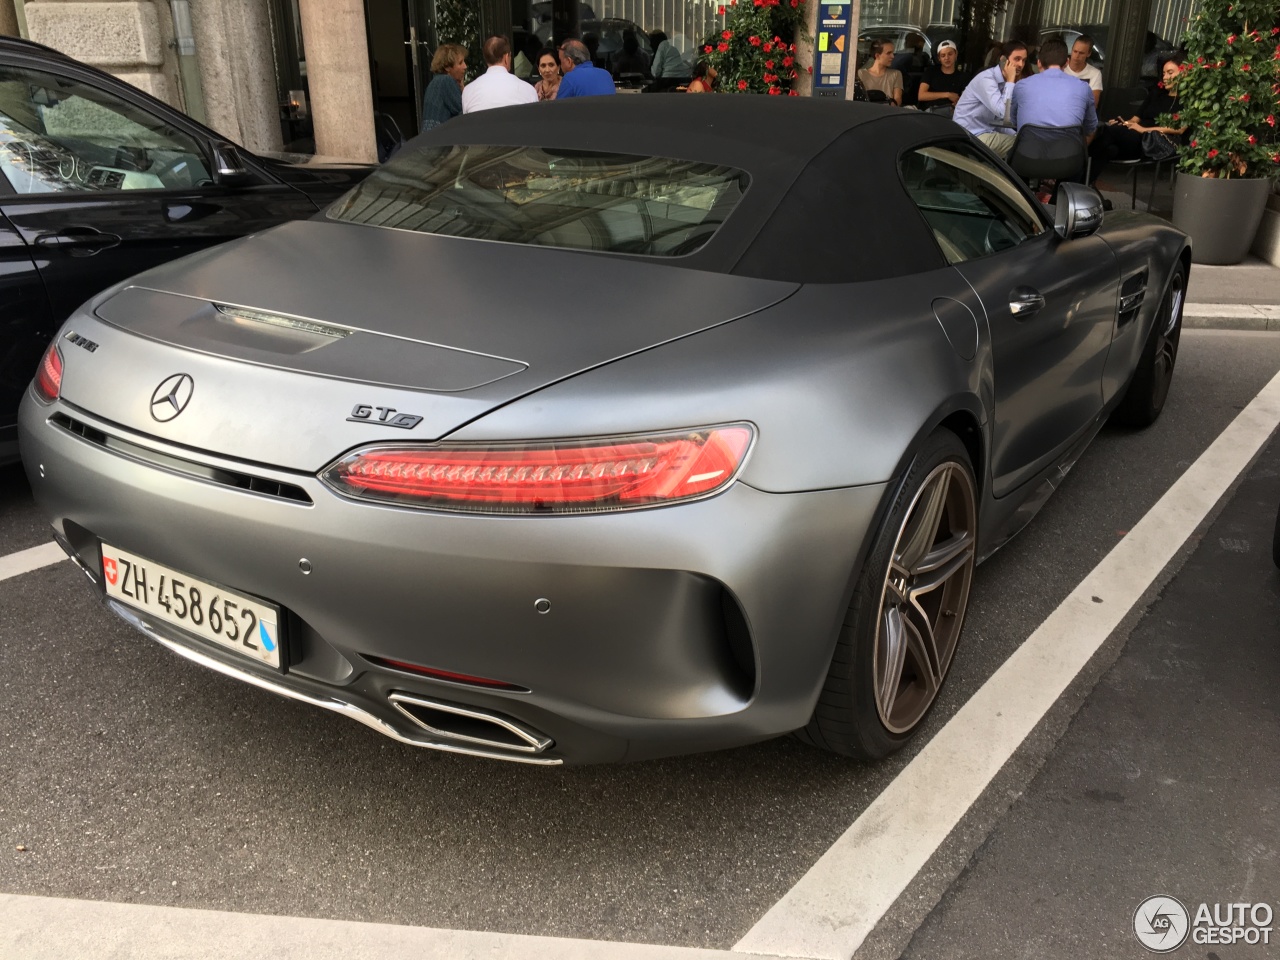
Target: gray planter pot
(1220, 216)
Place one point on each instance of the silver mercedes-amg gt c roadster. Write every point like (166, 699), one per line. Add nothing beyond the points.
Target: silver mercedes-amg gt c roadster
(606, 429)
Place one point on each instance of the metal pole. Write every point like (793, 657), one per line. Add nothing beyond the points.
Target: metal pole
(188, 66)
(20, 11)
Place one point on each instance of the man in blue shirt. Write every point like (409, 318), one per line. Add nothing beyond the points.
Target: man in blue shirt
(1054, 98)
(983, 108)
(582, 78)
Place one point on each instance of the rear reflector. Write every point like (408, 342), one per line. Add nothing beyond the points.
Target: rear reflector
(49, 375)
(562, 477)
(445, 674)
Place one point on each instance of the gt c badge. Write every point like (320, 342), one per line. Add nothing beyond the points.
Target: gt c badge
(172, 397)
(386, 417)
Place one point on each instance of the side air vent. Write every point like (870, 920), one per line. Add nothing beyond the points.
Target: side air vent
(188, 468)
(1132, 292)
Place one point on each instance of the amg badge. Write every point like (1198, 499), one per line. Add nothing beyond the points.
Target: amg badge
(385, 416)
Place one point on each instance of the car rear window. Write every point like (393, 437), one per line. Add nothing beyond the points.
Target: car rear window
(581, 200)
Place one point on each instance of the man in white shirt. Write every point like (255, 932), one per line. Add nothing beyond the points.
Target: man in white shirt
(498, 86)
(1080, 67)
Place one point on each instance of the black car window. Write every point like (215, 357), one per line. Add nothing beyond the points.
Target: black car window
(60, 135)
(971, 205)
(581, 200)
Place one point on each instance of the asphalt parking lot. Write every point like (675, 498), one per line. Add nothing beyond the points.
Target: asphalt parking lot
(133, 776)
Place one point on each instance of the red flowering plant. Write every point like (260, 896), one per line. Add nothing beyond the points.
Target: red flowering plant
(1229, 90)
(756, 53)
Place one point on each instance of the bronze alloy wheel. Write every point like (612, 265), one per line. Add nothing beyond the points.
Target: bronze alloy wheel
(926, 591)
(907, 610)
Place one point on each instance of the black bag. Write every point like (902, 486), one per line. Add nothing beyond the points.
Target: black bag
(1158, 146)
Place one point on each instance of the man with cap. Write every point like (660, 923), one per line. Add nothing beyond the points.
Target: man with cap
(942, 83)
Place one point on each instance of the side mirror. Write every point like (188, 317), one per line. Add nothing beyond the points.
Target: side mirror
(1078, 211)
(228, 166)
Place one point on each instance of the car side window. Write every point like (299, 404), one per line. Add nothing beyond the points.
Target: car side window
(60, 135)
(971, 205)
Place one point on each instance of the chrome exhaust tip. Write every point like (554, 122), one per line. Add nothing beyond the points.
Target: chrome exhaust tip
(475, 725)
(70, 551)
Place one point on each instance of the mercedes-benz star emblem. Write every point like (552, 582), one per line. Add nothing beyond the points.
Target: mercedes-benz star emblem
(172, 396)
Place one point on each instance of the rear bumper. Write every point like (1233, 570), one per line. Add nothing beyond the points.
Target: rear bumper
(693, 627)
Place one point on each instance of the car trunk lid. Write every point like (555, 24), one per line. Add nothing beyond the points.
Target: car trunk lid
(290, 334)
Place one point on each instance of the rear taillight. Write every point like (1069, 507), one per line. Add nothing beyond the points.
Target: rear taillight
(565, 477)
(49, 376)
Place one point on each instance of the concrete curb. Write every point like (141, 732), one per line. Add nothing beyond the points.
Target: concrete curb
(1231, 316)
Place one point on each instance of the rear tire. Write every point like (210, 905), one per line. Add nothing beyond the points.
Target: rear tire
(1149, 387)
(904, 622)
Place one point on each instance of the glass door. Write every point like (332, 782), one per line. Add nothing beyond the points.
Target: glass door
(422, 41)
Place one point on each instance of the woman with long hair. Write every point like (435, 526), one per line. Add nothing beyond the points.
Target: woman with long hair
(1141, 137)
(704, 78)
(443, 99)
(549, 70)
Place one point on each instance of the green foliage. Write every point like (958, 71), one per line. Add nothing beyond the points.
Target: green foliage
(1229, 90)
(755, 53)
(459, 22)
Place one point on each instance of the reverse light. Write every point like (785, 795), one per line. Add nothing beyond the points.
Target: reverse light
(49, 375)
(572, 476)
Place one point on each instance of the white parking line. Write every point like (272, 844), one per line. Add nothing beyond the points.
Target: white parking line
(24, 561)
(836, 905)
(46, 928)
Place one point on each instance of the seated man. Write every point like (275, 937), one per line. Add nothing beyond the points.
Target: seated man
(497, 86)
(667, 61)
(582, 78)
(1078, 66)
(983, 108)
(1053, 98)
(941, 86)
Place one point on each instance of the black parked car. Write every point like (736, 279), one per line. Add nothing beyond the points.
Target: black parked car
(99, 181)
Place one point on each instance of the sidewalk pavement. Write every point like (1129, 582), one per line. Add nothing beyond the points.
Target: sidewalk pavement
(1241, 297)
(1245, 296)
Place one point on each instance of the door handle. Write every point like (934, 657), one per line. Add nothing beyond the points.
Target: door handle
(1025, 302)
(79, 241)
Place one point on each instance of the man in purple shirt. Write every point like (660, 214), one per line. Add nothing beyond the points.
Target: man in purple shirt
(1054, 98)
(582, 78)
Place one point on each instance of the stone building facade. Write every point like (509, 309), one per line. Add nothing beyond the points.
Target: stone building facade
(214, 59)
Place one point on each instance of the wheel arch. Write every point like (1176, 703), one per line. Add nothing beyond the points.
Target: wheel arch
(965, 425)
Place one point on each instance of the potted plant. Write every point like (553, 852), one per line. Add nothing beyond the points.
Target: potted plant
(1228, 100)
(755, 53)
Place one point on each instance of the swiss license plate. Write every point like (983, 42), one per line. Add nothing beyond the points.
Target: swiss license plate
(222, 616)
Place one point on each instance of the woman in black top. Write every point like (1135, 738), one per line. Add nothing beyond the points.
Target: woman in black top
(1122, 139)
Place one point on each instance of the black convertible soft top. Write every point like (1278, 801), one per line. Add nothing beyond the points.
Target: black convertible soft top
(825, 205)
